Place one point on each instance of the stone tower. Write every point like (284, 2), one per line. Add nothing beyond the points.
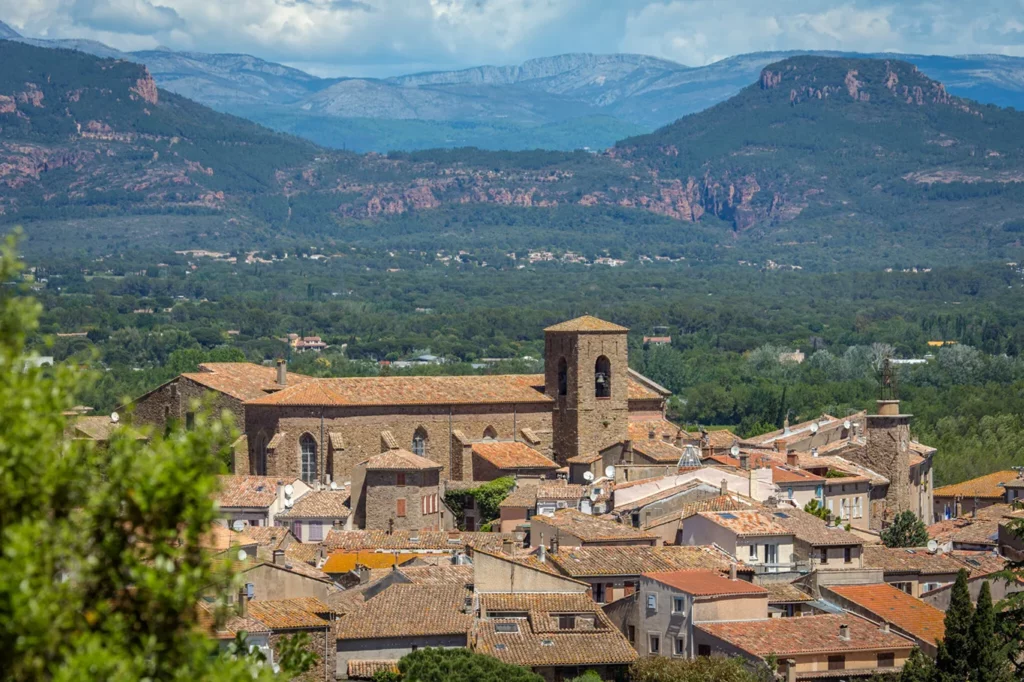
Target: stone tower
(587, 373)
(887, 452)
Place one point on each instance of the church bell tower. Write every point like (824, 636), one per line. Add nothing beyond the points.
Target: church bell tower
(587, 374)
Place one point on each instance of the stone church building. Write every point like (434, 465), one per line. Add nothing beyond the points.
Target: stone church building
(319, 430)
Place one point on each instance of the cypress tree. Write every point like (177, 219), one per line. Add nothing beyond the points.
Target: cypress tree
(918, 668)
(956, 650)
(989, 661)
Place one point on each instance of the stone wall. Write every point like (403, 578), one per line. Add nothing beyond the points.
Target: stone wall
(888, 453)
(382, 495)
(321, 643)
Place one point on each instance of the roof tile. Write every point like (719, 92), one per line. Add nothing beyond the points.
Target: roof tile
(989, 486)
(509, 455)
(898, 608)
(703, 583)
(592, 528)
(807, 635)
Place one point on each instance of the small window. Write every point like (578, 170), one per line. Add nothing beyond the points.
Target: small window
(490, 433)
(837, 662)
(419, 442)
(753, 552)
(886, 660)
(598, 589)
(680, 646)
(824, 555)
(703, 650)
(190, 420)
(631, 634)
(400, 507)
(652, 602)
(307, 449)
(678, 605)
(400, 478)
(566, 621)
(789, 492)
(547, 642)
(507, 627)
(848, 555)
(655, 644)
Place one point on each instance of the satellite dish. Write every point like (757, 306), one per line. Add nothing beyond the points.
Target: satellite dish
(593, 496)
(288, 504)
(814, 427)
(115, 417)
(588, 476)
(242, 555)
(334, 485)
(609, 471)
(735, 450)
(933, 546)
(847, 424)
(237, 525)
(288, 490)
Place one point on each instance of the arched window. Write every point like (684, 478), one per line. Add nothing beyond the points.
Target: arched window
(260, 452)
(307, 446)
(490, 433)
(419, 442)
(603, 378)
(563, 376)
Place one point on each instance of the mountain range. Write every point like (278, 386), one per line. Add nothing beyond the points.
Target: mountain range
(823, 162)
(565, 102)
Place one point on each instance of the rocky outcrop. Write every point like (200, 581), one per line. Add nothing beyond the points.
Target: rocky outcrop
(145, 88)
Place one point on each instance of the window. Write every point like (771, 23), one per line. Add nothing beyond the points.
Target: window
(858, 511)
(260, 464)
(400, 478)
(655, 644)
(507, 628)
(753, 552)
(490, 433)
(828, 505)
(680, 646)
(563, 377)
(297, 529)
(819, 492)
(652, 602)
(598, 589)
(400, 507)
(419, 442)
(848, 555)
(566, 621)
(703, 650)
(824, 555)
(631, 634)
(789, 492)
(190, 420)
(316, 532)
(771, 555)
(678, 604)
(886, 660)
(844, 508)
(837, 662)
(307, 446)
(904, 587)
(428, 504)
(603, 378)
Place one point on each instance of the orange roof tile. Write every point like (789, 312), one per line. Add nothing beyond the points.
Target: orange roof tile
(591, 528)
(787, 474)
(898, 608)
(241, 380)
(979, 563)
(813, 530)
(400, 460)
(585, 324)
(580, 562)
(404, 610)
(706, 583)
(720, 438)
(320, 504)
(512, 455)
(343, 562)
(297, 613)
(400, 540)
(233, 624)
(658, 451)
(906, 560)
(642, 429)
(989, 486)
(746, 522)
(807, 635)
(255, 492)
(366, 669)
(786, 593)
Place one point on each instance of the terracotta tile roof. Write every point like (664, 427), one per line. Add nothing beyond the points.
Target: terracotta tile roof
(591, 528)
(979, 563)
(297, 613)
(220, 538)
(746, 522)
(901, 560)
(409, 611)
(706, 583)
(695, 486)
(642, 388)
(241, 380)
(641, 429)
(985, 487)
(417, 390)
(98, 428)
(320, 504)
(400, 460)
(523, 497)
(560, 490)
(512, 455)
(801, 429)
(298, 567)
(399, 540)
(755, 458)
(365, 670)
(730, 502)
(721, 438)
(586, 323)
(897, 608)
(271, 537)
(857, 472)
(658, 451)
(578, 562)
(276, 440)
(232, 625)
(807, 635)
(254, 492)
(439, 575)
(786, 593)
(303, 552)
(786, 474)
(812, 530)
(539, 641)
(585, 458)
(343, 562)
(982, 529)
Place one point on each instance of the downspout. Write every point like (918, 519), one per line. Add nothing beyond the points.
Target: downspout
(515, 428)
(323, 448)
(451, 452)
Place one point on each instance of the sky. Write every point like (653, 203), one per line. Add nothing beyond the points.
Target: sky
(389, 37)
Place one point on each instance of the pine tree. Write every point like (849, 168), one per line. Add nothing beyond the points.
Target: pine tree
(918, 668)
(906, 531)
(956, 650)
(989, 661)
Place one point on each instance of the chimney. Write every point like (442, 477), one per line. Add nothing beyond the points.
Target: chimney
(554, 544)
(790, 670)
(792, 459)
(391, 526)
(732, 571)
(282, 372)
(723, 487)
(542, 554)
(279, 557)
(885, 627)
(243, 603)
(844, 633)
(744, 460)
(507, 546)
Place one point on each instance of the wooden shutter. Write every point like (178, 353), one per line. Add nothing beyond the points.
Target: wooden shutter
(400, 507)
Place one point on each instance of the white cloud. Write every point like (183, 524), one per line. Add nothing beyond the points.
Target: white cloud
(394, 36)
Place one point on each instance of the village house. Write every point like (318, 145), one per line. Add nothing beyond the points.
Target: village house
(286, 617)
(282, 578)
(670, 526)
(529, 499)
(969, 497)
(658, 619)
(572, 528)
(914, 571)
(751, 536)
(787, 600)
(885, 604)
(314, 514)
(817, 545)
(256, 500)
(844, 645)
(397, 490)
(494, 459)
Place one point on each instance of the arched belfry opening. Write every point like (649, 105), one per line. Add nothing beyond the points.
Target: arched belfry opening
(563, 376)
(603, 378)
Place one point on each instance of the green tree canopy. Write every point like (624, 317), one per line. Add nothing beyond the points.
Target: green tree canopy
(957, 648)
(460, 665)
(906, 531)
(700, 669)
